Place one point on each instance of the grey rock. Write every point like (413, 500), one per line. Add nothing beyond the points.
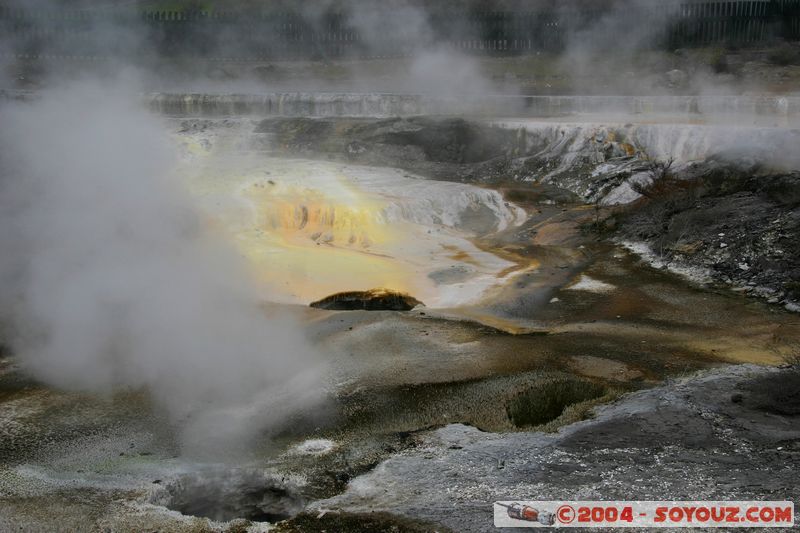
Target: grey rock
(653, 444)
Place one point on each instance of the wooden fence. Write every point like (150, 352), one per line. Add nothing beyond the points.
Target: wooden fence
(227, 35)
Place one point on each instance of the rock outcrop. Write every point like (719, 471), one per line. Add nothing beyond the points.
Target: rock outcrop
(738, 227)
(371, 300)
(653, 443)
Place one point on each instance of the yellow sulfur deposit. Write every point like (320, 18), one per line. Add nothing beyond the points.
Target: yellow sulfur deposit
(310, 229)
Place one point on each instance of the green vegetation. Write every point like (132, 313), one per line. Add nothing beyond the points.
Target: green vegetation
(547, 401)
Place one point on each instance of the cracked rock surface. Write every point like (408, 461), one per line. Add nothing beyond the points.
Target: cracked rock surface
(727, 434)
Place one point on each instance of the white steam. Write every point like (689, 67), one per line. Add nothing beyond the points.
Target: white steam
(447, 73)
(109, 279)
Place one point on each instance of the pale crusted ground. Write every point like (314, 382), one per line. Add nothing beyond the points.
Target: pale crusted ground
(85, 463)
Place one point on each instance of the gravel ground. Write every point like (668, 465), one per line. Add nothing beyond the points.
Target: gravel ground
(729, 433)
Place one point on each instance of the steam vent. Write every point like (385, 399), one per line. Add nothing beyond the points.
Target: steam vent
(408, 266)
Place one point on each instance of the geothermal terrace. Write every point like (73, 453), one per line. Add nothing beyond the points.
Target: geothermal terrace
(599, 276)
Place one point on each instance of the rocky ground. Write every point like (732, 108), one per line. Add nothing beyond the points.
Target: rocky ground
(724, 208)
(739, 227)
(446, 149)
(728, 434)
(769, 69)
(433, 414)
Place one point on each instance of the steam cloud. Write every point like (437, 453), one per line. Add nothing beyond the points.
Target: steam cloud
(109, 279)
(427, 67)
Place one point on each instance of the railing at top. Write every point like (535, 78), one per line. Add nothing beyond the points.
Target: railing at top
(225, 35)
